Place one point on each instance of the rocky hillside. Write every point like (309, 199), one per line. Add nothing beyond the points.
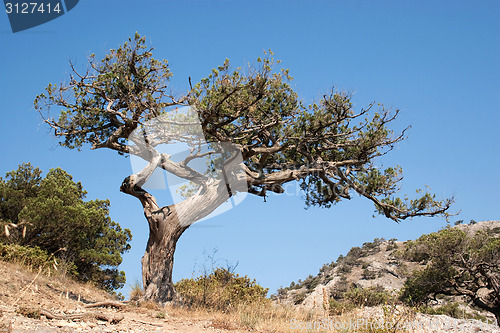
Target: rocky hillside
(372, 265)
(34, 302)
(375, 266)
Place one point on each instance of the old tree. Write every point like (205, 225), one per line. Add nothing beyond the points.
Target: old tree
(457, 263)
(328, 147)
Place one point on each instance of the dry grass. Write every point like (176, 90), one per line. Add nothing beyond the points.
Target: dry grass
(254, 317)
(287, 319)
(21, 287)
(281, 318)
(62, 294)
(136, 292)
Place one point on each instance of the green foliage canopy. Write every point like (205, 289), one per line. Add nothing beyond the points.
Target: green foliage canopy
(328, 147)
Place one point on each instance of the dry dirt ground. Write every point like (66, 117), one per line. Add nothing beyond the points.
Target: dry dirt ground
(26, 292)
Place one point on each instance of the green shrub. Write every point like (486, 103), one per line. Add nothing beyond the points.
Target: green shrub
(371, 296)
(341, 302)
(340, 288)
(493, 231)
(402, 269)
(299, 297)
(344, 269)
(328, 278)
(29, 312)
(413, 251)
(355, 253)
(221, 290)
(425, 282)
(368, 274)
(35, 258)
(28, 256)
(391, 245)
(372, 247)
(311, 282)
(339, 307)
(451, 309)
(328, 266)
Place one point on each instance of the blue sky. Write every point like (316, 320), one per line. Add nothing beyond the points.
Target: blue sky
(436, 61)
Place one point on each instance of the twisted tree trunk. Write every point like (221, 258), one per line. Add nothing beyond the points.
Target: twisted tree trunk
(492, 308)
(158, 260)
(166, 225)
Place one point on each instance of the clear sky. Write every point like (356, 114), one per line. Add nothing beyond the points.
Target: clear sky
(438, 61)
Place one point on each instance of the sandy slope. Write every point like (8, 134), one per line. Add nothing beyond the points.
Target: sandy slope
(21, 289)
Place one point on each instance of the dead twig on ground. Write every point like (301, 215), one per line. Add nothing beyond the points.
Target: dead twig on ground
(147, 322)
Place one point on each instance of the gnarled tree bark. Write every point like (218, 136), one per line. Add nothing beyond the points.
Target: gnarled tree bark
(158, 260)
(166, 225)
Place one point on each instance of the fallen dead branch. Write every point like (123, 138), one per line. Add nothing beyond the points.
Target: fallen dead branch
(82, 316)
(113, 304)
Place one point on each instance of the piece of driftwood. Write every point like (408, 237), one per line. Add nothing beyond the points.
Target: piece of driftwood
(113, 304)
(82, 316)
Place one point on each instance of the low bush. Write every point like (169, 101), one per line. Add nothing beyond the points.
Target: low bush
(340, 303)
(221, 290)
(354, 254)
(299, 297)
(391, 245)
(368, 274)
(371, 296)
(372, 247)
(344, 269)
(338, 308)
(35, 258)
(451, 309)
(311, 282)
(340, 288)
(328, 266)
